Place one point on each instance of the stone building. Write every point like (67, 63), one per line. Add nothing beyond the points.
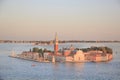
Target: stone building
(79, 56)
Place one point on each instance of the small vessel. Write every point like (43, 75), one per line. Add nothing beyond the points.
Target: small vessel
(33, 65)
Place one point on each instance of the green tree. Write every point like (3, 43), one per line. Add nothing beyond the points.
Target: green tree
(40, 52)
(35, 49)
(30, 50)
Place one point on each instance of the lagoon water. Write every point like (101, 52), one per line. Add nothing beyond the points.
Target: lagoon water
(17, 69)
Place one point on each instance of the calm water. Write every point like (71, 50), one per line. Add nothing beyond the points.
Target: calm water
(17, 69)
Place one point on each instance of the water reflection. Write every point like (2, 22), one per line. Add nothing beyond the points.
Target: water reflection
(17, 69)
(67, 71)
(77, 66)
(69, 66)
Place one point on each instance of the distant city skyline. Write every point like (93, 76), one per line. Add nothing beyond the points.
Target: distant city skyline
(71, 19)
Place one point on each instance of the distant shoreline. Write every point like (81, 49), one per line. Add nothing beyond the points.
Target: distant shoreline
(61, 41)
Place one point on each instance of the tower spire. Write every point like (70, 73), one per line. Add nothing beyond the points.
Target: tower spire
(56, 44)
(56, 37)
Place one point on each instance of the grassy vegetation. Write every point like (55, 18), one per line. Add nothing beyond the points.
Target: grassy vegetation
(40, 51)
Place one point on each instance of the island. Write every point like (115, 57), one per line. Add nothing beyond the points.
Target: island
(71, 54)
(92, 54)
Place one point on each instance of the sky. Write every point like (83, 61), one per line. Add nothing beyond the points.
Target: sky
(71, 19)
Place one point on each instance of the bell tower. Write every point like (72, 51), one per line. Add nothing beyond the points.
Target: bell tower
(56, 44)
